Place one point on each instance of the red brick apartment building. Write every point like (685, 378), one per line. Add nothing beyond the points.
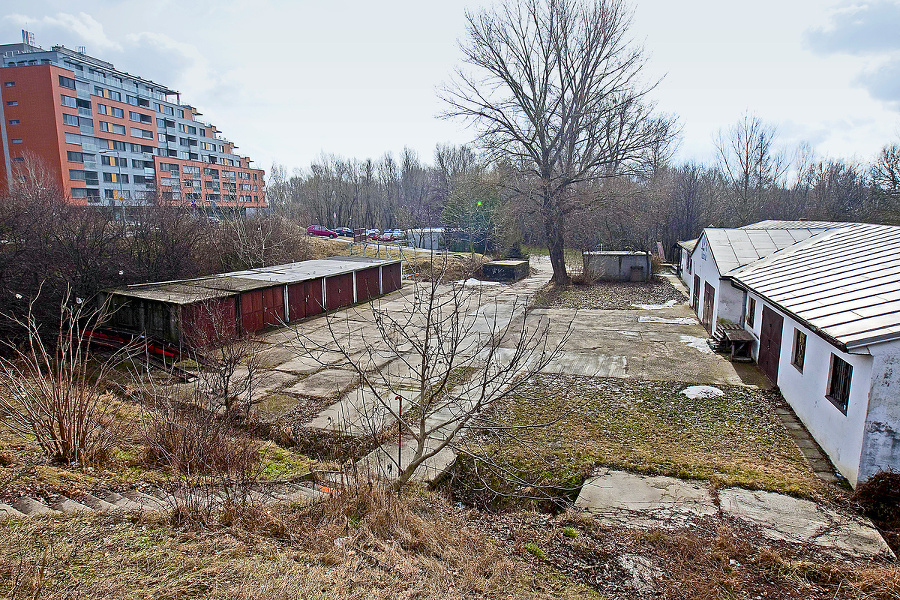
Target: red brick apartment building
(113, 139)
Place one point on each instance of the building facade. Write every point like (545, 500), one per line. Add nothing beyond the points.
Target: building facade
(821, 302)
(108, 138)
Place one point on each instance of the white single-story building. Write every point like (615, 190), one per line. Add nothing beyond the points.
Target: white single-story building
(822, 302)
(826, 316)
(706, 264)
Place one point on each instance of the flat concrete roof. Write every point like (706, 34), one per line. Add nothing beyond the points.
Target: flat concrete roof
(227, 284)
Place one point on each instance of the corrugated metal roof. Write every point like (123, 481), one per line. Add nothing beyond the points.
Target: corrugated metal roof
(226, 284)
(734, 248)
(689, 245)
(772, 224)
(844, 282)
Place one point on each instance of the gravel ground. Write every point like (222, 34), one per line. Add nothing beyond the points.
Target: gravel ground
(617, 295)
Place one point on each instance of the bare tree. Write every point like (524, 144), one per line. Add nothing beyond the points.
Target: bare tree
(886, 184)
(556, 91)
(752, 166)
(436, 364)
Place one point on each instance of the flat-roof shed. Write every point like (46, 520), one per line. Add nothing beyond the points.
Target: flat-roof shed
(220, 307)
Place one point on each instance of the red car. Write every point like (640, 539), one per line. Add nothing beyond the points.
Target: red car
(321, 230)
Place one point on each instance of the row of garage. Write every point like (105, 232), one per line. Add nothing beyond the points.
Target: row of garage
(215, 309)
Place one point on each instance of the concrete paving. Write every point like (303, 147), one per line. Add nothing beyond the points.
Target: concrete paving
(327, 383)
(360, 412)
(632, 500)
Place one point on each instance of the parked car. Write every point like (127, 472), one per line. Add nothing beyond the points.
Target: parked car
(373, 234)
(320, 230)
(344, 231)
(392, 235)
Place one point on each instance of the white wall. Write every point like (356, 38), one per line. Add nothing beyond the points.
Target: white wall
(881, 441)
(686, 277)
(705, 267)
(839, 435)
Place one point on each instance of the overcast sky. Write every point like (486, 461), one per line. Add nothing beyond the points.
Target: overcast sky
(290, 80)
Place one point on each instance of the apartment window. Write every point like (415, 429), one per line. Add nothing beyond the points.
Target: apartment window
(112, 161)
(9, 84)
(141, 133)
(120, 146)
(214, 173)
(117, 112)
(120, 129)
(77, 157)
(839, 384)
(14, 121)
(12, 102)
(101, 108)
(104, 126)
(751, 306)
(79, 193)
(66, 82)
(799, 355)
(180, 114)
(131, 100)
(134, 116)
(115, 178)
(117, 96)
(141, 179)
(243, 175)
(192, 170)
(70, 120)
(76, 175)
(17, 140)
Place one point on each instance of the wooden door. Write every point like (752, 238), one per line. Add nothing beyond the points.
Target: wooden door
(709, 302)
(695, 298)
(770, 343)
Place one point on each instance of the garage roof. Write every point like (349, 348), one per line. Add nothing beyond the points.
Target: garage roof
(843, 282)
(226, 284)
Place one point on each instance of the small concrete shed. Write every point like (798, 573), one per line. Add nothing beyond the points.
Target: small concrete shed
(619, 265)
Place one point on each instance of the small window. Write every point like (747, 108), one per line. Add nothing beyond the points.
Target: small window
(751, 308)
(839, 385)
(9, 84)
(74, 156)
(17, 140)
(12, 102)
(70, 120)
(14, 121)
(120, 129)
(101, 108)
(799, 350)
(118, 112)
(66, 82)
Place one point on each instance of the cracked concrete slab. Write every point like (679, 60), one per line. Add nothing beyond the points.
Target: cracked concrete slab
(619, 497)
(327, 383)
(361, 412)
(792, 519)
(633, 500)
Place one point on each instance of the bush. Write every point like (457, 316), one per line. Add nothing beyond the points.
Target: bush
(879, 498)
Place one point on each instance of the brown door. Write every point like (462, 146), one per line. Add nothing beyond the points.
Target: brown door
(339, 291)
(770, 343)
(709, 301)
(367, 284)
(695, 300)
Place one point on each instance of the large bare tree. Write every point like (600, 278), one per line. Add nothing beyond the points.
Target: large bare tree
(555, 88)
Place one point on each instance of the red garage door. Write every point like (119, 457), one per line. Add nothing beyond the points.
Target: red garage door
(304, 299)
(367, 286)
(262, 308)
(339, 291)
(391, 277)
(209, 323)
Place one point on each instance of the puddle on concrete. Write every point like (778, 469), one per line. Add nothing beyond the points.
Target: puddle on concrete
(672, 321)
(668, 304)
(697, 343)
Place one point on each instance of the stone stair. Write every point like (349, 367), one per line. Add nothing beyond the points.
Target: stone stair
(155, 500)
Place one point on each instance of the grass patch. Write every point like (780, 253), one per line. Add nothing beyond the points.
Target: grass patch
(649, 426)
(279, 463)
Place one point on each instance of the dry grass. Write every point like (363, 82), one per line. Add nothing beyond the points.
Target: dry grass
(367, 543)
(650, 427)
(711, 559)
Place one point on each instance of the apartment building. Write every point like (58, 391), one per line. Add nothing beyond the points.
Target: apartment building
(113, 139)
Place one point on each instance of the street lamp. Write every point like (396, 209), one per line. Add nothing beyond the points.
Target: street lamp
(119, 179)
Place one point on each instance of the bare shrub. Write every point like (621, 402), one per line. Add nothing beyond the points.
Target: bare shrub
(55, 392)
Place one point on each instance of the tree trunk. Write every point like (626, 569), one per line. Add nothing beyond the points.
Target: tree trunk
(553, 228)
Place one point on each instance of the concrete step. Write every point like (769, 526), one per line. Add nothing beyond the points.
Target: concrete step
(30, 506)
(291, 492)
(96, 503)
(8, 511)
(120, 501)
(67, 505)
(146, 501)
